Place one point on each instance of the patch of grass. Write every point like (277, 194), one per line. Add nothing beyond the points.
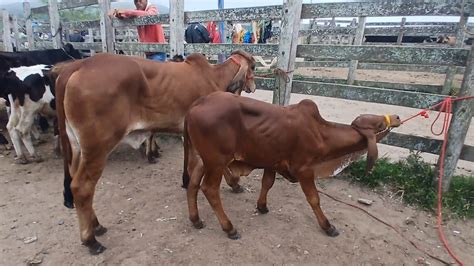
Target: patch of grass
(414, 178)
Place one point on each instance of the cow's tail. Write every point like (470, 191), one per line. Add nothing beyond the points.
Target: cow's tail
(63, 76)
(187, 145)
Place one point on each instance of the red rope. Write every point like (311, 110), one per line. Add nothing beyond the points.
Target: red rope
(387, 224)
(446, 106)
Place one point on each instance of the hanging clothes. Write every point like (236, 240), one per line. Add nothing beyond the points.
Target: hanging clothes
(265, 31)
(213, 32)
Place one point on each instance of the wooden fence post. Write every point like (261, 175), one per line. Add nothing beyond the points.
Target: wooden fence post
(402, 31)
(460, 34)
(288, 41)
(16, 34)
(7, 40)
(176, 27)
(106, 29)
(54, 23)
(90, 39)
(359, 38)
(29, 26)
(461, 119)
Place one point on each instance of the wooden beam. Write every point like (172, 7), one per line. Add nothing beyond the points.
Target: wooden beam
(176, 27)
(142, 47)
(54, 23)
(422, 144)
(90, 39)
(358, 93)
(288, 41)
(7, 40)
(95, 46)
(384, 8)
(28, 26)
(359, 38)
(82, 24)
(41, 45)
(214, 49)
(386, 54)
(39, 10)
(235, 14)
(106, 29)
(138, 21)
(460, 122)
(410, 31)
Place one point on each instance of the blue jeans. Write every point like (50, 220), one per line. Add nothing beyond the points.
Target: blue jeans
(157, 57)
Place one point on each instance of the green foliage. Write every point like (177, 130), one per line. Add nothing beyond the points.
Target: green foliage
(414, 178)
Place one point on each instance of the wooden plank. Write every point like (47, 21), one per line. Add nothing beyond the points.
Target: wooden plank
(142, 47)
(235, 14)
(41, 45)
(377, 66)
(385, 8)
(7, 40)
(90, 39)
(176, 27)
(82, 24)
(357, 93)
(359, 38)
(16, 32)
(95, 46)
(68, 4)
(288, 41)
(460, 122)
(328, 30)
(138, 21)
(386, 54)
(423, 144)
(54, 23)
(28, 25)
(214, 49)
(435, 89)
(411, 31)
(106, 29)
(39, 10)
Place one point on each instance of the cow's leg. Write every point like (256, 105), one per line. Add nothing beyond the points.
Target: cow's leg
(83, 188)
(196, 173)
(312, 196)
(15, 137)
(29, 146)
(210, 188)
(151, 149)
(267, 183)
(154, 149)
(233, 181)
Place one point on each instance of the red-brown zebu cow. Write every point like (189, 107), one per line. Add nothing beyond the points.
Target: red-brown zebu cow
(106, 99)
(224, 131)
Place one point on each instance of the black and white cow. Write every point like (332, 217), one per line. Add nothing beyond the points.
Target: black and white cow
(29, 93)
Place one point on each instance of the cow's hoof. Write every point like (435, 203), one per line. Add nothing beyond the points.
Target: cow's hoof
(100, 230)
(237, 189)
(69, 204)
(152, 160)
(21, 160)
(95, 248)
(37, 159)
(233, 234)
(332, 231)
(199, 224)
(262, 210)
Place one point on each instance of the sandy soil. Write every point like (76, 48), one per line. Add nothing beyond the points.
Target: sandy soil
(145, 210)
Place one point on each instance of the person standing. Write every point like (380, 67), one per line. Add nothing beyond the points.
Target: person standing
(146, 33)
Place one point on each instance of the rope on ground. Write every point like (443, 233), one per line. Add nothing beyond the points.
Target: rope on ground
(387, 224)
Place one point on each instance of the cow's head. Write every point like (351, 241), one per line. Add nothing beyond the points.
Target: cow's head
(71, 51)
(374, 128)
(244, 79)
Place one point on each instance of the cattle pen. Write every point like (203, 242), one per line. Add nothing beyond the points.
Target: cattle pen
(352, 55)
(316, 46)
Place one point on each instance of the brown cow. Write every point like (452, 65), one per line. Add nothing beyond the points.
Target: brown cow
(108, 98)
(243, 134)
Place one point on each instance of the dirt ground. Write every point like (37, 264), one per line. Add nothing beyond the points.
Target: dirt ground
(145, 210)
